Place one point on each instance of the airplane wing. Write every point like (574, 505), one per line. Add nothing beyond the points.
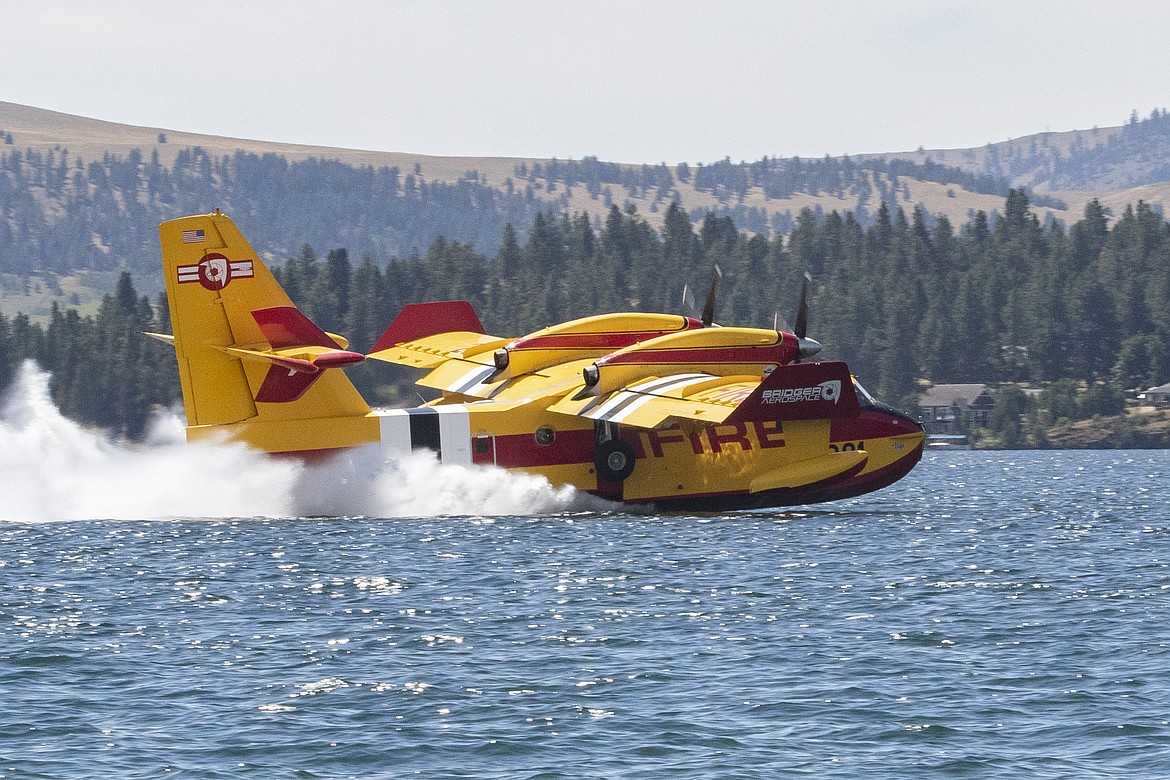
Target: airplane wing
(649, 403)
(448, 338)
(794, 392)
(426, 335)
(433, 351)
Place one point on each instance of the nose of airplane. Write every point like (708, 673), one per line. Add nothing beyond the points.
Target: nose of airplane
(892, 421)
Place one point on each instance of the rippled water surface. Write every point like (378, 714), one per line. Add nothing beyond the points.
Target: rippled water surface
(993, 615)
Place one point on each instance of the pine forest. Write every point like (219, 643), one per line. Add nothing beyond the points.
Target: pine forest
(1082, 311)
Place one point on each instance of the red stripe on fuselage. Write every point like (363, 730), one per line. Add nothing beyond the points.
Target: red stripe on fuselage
(779, 354)
(609, 341)
(521, 450)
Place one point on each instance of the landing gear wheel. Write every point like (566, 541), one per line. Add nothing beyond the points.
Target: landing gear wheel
(614, 460)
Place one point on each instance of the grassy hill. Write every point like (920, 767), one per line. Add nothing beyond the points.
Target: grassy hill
(90, 139)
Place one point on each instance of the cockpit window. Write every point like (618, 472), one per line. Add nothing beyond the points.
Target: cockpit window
(864, 399)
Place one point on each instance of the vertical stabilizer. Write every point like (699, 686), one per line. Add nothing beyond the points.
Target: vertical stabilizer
(216, 286)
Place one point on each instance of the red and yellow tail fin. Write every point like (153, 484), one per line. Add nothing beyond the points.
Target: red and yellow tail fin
(250, 363)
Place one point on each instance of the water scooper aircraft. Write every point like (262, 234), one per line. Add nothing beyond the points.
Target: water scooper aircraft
(643, 408)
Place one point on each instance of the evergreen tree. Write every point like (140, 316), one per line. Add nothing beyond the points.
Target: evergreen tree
(508, 259)
(1006, 419)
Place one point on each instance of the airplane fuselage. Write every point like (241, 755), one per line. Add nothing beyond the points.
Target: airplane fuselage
(711, 468)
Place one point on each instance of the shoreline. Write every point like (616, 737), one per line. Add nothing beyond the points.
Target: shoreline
(1145, 430)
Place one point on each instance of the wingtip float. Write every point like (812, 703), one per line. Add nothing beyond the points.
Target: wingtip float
(635, 407)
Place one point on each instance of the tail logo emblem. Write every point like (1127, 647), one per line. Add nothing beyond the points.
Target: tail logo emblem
(215, 271)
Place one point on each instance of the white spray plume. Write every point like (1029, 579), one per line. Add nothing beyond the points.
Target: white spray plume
(360, 482)
(51, 468)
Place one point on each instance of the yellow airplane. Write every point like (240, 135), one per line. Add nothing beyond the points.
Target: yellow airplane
(643, 408)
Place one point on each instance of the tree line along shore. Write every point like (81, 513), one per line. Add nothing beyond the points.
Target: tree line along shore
(1065, 323)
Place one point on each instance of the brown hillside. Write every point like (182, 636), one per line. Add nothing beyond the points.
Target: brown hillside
(89, 139)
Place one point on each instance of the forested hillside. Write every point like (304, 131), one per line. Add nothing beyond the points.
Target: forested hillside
(864, 183)
(902, 300)
(59, 214)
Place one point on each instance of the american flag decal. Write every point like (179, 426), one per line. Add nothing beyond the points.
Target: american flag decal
(193, 236)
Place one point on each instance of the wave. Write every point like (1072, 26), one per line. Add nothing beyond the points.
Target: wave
(52, 469)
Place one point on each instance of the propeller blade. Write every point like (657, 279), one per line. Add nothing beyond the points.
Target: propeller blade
(807, 347)
(689, 307)
(709, 308)
(801, 329)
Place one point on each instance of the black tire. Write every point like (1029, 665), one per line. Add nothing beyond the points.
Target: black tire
(614, 460)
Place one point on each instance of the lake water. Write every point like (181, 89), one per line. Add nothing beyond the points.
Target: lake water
(993, 615)
(996, 615)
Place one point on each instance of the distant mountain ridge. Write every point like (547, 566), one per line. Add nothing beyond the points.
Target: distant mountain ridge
(1107, 159)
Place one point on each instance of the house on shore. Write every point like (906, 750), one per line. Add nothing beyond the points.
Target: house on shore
(954, 408)
(1156, 396)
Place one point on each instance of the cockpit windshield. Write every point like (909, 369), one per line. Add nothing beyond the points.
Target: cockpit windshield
(864, 399)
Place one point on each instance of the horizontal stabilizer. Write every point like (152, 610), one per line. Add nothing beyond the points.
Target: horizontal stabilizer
(308, 360)
(284, 327)
(290, 364)
(299, 352)
(337, 358)
(290, 375)
(282, 387)
(813, 471)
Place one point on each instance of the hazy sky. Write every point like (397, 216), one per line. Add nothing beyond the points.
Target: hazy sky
(628, 81)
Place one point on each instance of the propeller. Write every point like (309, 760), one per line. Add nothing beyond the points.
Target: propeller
(806, 347)
(689, 306)
(688, 300)
(709, 307)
